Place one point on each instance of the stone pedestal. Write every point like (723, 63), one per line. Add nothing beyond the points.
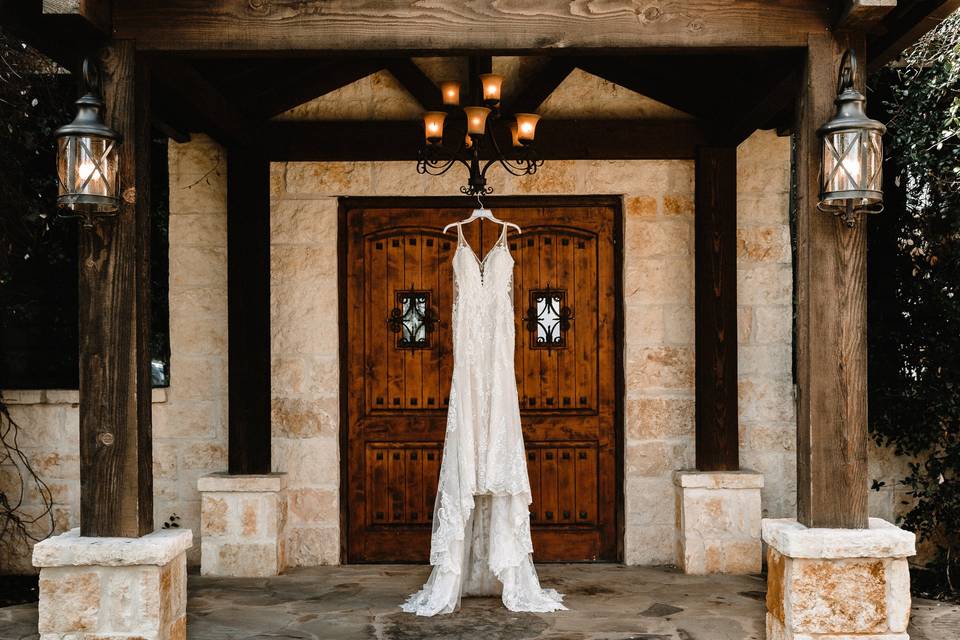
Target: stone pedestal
(242, 522)
(836, 584)
(94, 588)
(718, 521)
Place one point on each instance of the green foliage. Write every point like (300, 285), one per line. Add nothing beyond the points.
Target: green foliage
(915, 287)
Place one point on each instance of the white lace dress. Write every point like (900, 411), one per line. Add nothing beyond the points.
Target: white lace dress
(481, 521)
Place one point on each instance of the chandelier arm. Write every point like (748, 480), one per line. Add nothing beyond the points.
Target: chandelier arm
(444, 160)
(518, 167)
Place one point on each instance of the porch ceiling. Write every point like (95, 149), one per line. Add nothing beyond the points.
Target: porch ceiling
(233, 99)
(226, 67)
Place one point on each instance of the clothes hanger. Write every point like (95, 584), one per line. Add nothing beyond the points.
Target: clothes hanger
(481, 213)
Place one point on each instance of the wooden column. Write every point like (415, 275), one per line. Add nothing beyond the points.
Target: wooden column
(116, 474)
(715, 234)
(831, 321)
(248, 310)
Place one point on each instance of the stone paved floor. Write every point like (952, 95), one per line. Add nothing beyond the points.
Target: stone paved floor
(609, 602)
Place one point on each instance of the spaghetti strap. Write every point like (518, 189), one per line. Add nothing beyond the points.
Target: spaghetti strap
(503, 234)
(460, 239)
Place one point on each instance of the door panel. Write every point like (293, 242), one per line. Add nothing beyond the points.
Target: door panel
(399, 364)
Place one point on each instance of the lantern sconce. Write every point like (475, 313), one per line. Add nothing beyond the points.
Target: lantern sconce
(851, 172)
(88, 156)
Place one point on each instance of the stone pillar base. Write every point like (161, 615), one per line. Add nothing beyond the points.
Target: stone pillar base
(835, 584)
(718, 521)
(94, 588)
(242, 520)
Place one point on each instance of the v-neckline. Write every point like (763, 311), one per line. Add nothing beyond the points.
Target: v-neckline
(481, 263)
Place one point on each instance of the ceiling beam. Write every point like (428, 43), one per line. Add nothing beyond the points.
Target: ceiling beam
(190, 94)
(862, 15)
(364, 140)
(507, 28)
(94, 14)
(904, 26)
(302, 82)
(416, 82)
(544, 83)
(765, 112)
(658, 80)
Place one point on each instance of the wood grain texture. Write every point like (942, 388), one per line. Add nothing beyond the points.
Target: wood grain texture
(715, 233)
(248, 311)
(862, 15)
(116, 474)
(831, 322)
(566, 242)
(506, 27)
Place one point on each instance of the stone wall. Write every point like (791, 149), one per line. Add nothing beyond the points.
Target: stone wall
(190, 422)
(658, 289)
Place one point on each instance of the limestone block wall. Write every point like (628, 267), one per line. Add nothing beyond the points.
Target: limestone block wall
(190, 422)
(765, 320)
(658, 290)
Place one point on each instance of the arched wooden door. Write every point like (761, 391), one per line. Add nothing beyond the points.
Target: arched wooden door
(399, 362)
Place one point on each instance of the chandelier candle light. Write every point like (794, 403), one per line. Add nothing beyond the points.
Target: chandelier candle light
(435, 158)
(851, 172)
(87, 156)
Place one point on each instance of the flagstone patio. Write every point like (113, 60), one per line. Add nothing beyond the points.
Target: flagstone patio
(609, 602)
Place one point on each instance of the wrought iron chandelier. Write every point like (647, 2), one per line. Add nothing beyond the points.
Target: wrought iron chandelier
(475, 145)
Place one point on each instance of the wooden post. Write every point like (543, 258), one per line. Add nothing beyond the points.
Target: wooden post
(831, 320)
(248, 310)
(715, 234)
(116, 474)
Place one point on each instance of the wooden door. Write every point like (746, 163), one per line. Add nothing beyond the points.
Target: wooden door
(398, 366)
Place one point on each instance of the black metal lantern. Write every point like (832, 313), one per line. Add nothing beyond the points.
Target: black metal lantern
(87, 155)
(851, 172)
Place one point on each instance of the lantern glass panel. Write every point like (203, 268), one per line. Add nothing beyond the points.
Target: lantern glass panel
(852, 167)
(87, 173)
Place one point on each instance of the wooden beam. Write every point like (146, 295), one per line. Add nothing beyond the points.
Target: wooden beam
(190, 93)
(416, 82)
(302, 82)
(556, 139)
(904, 26)
(248, 311)
(862, 15)
(534, 93)
(831, 348)
(116, 471)
(762, 113)
(95, 14)
(657, 80)
(715, 235)
(505, 28)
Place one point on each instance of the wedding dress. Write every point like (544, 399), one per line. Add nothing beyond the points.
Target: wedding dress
(481, 523)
